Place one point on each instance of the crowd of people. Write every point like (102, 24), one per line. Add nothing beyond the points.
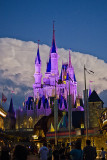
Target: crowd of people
(20, 152)
(59, 152)
(75, 153)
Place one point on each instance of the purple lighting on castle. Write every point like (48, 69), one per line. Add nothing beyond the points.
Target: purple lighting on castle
(49, 86)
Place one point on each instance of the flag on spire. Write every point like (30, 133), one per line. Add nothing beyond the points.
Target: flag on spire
(4, 99)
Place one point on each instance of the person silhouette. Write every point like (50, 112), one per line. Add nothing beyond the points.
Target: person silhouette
(102, 154)
(20, 153)
(76, 152)
(89, 152)
(43, 152)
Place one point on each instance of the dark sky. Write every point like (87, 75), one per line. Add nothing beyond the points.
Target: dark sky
(80, 24)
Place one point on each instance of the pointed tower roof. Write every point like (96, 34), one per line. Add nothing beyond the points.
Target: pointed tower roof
(53, 49)
(70, 65)
(65, 66)
(89, 91)
(51, 129)
(49, 66)
(74, 78)
(38, 56)
(61, 75)
(94, 97)
(63, 124)
(11, 109)
(67, 77)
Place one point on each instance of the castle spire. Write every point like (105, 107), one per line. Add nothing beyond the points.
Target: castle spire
(38, 55)
(11, 109)
(53, 41)
(70, 65)
(53, 31)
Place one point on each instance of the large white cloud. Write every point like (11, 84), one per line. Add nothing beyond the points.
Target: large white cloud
(17, 60)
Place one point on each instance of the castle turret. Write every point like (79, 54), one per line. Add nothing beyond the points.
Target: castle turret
(10, 121)
(37, 74)
(11, 109)
(54, 56)
(71, 69)
(71, 77)
(95, 107)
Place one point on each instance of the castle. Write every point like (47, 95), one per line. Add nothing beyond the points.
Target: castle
(48, 111)
(55, 85)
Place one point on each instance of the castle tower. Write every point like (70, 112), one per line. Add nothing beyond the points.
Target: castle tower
(70, 69)
(37, 74)
(54, 56)
(10, 120)
(95, 107)
(70, 78)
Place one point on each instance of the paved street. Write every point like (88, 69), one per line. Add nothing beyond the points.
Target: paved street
(33, 157)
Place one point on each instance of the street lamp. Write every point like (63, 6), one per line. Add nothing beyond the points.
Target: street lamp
(70, 110)
(85, 103)
(55, 114)
(86, 99)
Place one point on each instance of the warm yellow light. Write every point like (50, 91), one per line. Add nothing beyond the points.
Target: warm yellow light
(38, 145)
(51, 128)
(64, 82)
(30, 119)
(35, 137)
(2, 114)
(25, 123)
(105, 121)
(82, 125)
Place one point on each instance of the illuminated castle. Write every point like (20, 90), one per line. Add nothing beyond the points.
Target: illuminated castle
(47, 113)
(54, 84)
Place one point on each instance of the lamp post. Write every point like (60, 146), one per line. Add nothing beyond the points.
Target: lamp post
(70, 111)
(85, 103)
(55, 114)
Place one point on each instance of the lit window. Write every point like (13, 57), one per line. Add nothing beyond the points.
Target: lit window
(64, 82)
(82, 125)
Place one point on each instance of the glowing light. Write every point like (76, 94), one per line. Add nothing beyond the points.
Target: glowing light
(2, 114)
(64, 82)
(35, 137)
(51, 128)
(38, 145)
(104, 121)
(82, 125)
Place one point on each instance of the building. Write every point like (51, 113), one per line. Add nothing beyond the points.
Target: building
(55, 110)
(54, 85)
(10, 120)
(3, 114)
(95, 108)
